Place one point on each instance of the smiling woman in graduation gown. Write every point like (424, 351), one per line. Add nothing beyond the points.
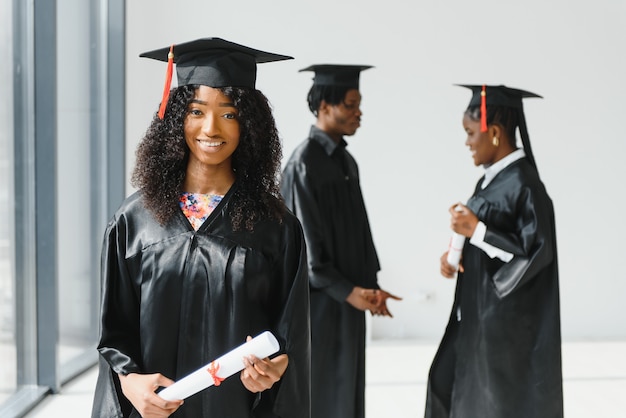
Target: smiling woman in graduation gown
(176, 299)
(176, 293)
(500, 356)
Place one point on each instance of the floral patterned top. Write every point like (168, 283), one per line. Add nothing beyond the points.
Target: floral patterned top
(198, 206)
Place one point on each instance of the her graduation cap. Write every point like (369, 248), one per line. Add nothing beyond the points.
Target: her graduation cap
(336, 74)
(485, 96)
(212, 62)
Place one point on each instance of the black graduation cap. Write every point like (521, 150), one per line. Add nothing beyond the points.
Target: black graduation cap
(485, 95)
(336, 74)
(212, 62)
(498, 95)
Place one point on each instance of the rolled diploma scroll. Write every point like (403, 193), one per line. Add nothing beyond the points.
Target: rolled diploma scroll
(263, 345)
(456, 246)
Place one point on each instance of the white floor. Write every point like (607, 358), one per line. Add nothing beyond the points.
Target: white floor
(594, 382)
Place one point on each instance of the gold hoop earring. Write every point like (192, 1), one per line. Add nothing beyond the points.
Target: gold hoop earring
(495, 141)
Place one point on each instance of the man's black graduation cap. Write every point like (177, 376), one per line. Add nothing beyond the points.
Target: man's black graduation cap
(336, 74)
(212, 62)
(485, 95)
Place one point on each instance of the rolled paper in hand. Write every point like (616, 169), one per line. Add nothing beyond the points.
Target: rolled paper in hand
(456, 246)
(261, 346)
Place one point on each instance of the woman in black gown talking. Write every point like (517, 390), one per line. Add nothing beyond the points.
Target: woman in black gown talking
(500, 356)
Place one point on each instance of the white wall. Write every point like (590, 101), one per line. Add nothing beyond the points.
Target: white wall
(410, 147)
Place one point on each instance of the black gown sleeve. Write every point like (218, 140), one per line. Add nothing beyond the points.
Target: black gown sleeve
(531, 243)
(291, 397)
(119, 335)
(116, 327)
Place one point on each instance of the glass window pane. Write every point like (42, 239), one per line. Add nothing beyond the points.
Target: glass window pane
(76, 272)
(8, 356)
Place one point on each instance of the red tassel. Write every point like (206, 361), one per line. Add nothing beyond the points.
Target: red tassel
(168, 82)
(483, 109)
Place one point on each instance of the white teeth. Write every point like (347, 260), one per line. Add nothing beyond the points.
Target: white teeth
(210, 144)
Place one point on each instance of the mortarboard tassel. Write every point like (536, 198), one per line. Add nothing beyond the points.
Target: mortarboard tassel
(483, 109)
(168, 82)
(523, 129)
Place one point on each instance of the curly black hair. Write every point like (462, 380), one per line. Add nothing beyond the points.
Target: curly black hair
(162, 158)
(507, 117)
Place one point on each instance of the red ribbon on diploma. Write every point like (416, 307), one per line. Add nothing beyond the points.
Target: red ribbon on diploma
(213, 368)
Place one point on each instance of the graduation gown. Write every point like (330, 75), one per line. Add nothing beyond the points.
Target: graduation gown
(320, 184)
(174, 299)
(502, 359)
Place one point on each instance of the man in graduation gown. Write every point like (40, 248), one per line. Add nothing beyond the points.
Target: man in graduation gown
(500, 356)
(320, 185)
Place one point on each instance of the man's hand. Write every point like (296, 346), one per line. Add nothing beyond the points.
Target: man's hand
(362, 299)
(381, 303)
